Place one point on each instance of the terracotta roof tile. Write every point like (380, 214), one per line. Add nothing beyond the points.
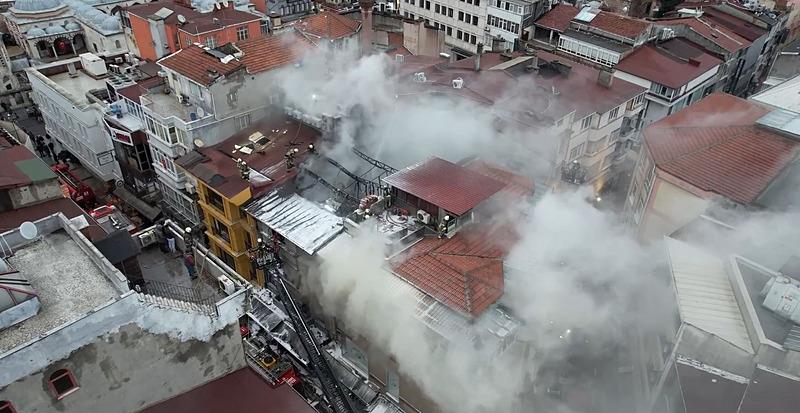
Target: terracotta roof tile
(620, 25)
(515, 184)
(271, 52)
(719, 35)
(445, 184)
(715, 146)
(558, 18)
(327, 25)
(464, 272)
(194, 62)
(659, 63)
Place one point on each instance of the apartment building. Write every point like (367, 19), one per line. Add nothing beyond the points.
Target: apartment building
(164, 27)
(597, 37)
(200, 98)
(688, 163)
(71, 95)
(591, 133)
(730, 347)
(82, 340)
(676, 72)
(467, 23)
(239, 169)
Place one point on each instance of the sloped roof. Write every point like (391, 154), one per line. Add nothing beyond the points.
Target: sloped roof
(445, 184)
(515, 184)
(327, 25)
(659, 64)
(785, 95)
(558, 18)
(464, 272)
(271, 52)
(720, 35)
(195, 62)
(704, 293)
(561, 15)
(715, 145)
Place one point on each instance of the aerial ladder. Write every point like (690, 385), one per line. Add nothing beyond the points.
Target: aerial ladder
(78, 191)
(266, 258)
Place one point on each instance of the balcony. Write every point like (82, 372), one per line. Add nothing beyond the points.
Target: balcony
(633, 110)
(166, 106)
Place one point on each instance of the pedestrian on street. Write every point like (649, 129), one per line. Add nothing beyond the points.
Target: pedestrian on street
(170, 241)
(188, 261)
(52, 149)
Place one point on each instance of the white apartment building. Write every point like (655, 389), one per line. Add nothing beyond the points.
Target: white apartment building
(201, 97)
(467, 23)
(676, 72)
(73, 115)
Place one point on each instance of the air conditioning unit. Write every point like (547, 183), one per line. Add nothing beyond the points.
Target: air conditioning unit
(226, 285)
(190, 188)
(118, 60)
(423, 216)
(183, 99)
(399, 58)
(458, 83)
(420, 77)
(147, 238)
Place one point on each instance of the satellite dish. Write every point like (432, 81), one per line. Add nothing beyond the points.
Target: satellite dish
(199, 143)
(28, 230)
(201, 112)
(181, 19)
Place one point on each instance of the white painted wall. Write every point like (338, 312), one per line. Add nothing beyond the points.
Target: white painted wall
(670, 208)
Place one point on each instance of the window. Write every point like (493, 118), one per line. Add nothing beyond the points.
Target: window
(62, 383)
(450, 12)
(427, 5)
(461, 16)
(213, 198)
(117, 44)
(436, 9)
(211, 42)
(264, 27)
(221, 230)
(241, 33)
(449, 31)
(242, 121)
(586, 122)
(475, 20)
(613, 114)
(6, 407)
(576, 151)
(458, 34)
(473, 39)
(227, 259)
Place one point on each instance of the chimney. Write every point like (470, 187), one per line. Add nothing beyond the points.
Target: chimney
(275, 20)
(478, 57)
(605, 78)
(366, 26)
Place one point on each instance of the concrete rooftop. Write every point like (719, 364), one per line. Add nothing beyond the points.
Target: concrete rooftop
(78, 86)
(68, 283)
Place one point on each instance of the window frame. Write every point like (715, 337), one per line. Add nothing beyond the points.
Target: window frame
(242, 33)
(68, 374)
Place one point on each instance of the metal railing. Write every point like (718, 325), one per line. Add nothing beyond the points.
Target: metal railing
(203, 304)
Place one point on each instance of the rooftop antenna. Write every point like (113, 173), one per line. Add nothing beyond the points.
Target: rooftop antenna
(181, 19)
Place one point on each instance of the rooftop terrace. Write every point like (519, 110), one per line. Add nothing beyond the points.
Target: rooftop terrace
(68, 284)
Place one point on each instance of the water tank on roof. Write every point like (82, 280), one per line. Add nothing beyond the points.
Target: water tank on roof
(782, 296)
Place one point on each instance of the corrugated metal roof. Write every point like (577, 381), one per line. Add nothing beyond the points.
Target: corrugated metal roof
(705, 295)
(299, 220)
(783, 121)
(783, 95)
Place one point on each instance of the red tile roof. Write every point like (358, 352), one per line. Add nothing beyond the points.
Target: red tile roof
(271, 52)
(743, 28)
(10, 175)
(515, 184)
(715, 146)
(720, 35)
(620, 25)
(241, 391)
(558, 18)
(659, 64)
(216, 165)
(327, 25)
(445, 184)
(194, 62)
(196, 22)
(464, 272)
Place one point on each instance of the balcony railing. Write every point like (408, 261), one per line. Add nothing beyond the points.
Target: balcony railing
(181, 297)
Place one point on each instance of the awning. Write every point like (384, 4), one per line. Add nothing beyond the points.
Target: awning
(149, 212)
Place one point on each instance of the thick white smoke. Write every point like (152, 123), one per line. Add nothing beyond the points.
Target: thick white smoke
(575, 274)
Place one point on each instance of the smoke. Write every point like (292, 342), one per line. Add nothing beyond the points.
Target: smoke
(576, 280)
